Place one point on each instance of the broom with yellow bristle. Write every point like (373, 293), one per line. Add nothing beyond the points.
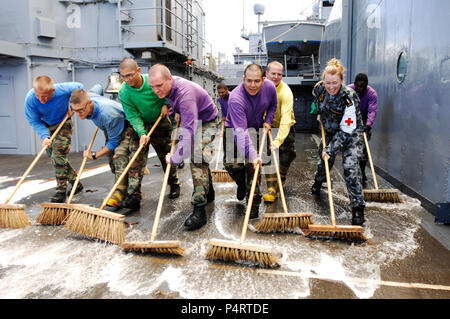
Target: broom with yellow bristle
(152, 246)
(55, 213)
(220, 175)
(14, 215)
(241, 252)
(333, 231)
(378, 195)
(282, 222)
(97, 222)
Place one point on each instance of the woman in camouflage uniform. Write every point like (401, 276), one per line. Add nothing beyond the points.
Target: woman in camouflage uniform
(338, 108)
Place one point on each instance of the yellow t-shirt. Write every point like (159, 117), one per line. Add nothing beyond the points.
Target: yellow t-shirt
(284, 116)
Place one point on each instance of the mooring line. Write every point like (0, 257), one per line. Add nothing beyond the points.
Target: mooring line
(359, 280)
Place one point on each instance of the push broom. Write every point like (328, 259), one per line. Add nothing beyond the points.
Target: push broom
(333, 231)
(55, 213)
(14, 215)
(220, 175)
(100, 223)
(282, 222)
(378, 195)
(240, 252)
(152, 246)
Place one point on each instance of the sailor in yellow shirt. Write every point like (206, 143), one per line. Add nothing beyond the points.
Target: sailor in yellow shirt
(284, 120)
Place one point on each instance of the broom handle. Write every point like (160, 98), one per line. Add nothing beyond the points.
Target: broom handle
(220, 146)
(280, 184)
(83, 163)
(252, 190)
(37, 158)
(327, 171)
(105, 201)
(370, 161)
(163, 189)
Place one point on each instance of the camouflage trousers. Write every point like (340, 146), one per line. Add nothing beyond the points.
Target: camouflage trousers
(365, 157)
(200, 159)
(352, 150)
(241, 169)
(58, 152)
(160, 141)
(287, 154)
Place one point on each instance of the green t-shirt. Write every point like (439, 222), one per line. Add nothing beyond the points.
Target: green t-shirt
(140, 105)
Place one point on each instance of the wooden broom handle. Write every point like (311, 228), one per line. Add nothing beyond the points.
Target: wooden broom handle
(280, 184)
(36, 159)
(220, 145)
(113, 189)
(252, 190)
(83, 163)
(370, 161)
(327, 171)
(163, 189)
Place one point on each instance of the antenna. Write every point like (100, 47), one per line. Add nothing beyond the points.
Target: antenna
(244, 34)
(258, 9)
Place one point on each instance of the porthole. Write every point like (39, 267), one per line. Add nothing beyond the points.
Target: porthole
(402, 66)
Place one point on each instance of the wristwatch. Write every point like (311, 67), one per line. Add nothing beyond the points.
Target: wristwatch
(93, 154)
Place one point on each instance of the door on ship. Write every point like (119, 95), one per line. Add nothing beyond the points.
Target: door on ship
(8, 134)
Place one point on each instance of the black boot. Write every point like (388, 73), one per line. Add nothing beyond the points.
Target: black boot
(358, 216)
(132, 203)
(211, 193)
(254, 212)
(174, 191)
(79, 189)
(59, 197)
(197, 219)
(315, 189)
(241, 191)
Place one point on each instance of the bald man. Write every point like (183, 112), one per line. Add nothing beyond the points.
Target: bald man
(198, 115)
(46, 105)
(142, 108)
(284, 120)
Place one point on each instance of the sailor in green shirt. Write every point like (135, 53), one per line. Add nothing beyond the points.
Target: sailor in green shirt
(142, 108)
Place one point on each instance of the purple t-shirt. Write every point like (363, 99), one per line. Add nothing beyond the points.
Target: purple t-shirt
(246, 111)
(368, 104)
(193, 104)
(224, 105)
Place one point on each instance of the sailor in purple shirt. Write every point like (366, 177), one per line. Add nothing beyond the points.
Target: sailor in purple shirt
(251, 106)
(224, 95)
(368, 104)
(197, 112)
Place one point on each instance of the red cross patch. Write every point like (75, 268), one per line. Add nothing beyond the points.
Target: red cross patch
(349, 121)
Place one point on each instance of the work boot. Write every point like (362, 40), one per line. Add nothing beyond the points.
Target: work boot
(181, 165)
(113, 204)
(174, 191)
(271, 195)
(241, 191)
(211, 193)
(254, 212)
(315, 189)
(132, 203)
(78, 189)
(197, 219)
(358, 216)
(59, 197)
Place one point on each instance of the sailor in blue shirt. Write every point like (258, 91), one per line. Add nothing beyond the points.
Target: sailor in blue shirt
(107, 115)
(46, 105)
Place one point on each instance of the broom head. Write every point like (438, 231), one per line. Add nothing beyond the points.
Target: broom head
(284, 222)
(382, 195)
(13, 216)
(230, 251)
(339, 232)
(54, 213)
(221, 176)
(96, 223)
(157, 247)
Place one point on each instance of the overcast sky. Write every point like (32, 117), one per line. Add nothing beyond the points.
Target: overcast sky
(224, 20)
